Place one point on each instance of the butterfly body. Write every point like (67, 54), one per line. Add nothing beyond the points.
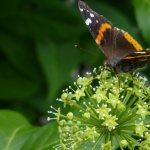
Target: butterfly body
(117, 45)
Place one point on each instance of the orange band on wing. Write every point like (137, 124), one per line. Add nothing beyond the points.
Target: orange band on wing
(139, 56)
(103, 27)
(130, 39)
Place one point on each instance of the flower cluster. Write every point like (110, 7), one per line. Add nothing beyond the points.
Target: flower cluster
(108, 111)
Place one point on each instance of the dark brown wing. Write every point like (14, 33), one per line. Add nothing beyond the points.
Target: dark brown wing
(133, 61)
(115, 43)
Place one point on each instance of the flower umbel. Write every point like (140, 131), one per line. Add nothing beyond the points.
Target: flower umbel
(111, 111)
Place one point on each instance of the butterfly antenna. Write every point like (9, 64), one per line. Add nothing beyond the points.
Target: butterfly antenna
(82, 49)
(78, 47)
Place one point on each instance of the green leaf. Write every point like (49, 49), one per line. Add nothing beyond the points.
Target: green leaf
(17, 134)
(14, 85)
(13, 5)
(142, 11)
(58, 61)
(39, 27)
(39, 20)
(21, 56)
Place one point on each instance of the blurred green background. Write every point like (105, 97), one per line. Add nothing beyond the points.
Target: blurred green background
(38, 57)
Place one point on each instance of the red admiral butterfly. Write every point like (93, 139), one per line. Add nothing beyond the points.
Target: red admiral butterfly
(123, 53)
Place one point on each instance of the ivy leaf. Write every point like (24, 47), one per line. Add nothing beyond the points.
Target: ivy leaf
(17, 134)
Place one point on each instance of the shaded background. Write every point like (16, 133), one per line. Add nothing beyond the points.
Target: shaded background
(37, 54)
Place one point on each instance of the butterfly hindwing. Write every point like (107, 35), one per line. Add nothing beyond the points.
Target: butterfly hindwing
(133, 61)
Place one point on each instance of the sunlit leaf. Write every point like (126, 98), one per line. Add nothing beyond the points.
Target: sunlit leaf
(17, 134)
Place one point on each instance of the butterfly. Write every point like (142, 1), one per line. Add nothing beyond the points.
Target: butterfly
(123, 52)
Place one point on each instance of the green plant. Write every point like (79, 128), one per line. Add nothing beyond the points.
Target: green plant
(111, 111)
(35, 39)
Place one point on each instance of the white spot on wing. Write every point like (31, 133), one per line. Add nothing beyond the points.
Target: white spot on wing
(148, 49)
(117, 28)
(81, 9)
(91, 15)
(88, 21)
(143, 52)
(122, 31)
(96, 21)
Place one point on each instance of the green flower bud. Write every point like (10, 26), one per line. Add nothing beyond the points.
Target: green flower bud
(70, 115)
(123, 143)
(106, 110)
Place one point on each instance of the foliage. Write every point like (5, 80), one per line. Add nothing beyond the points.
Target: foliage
(17, 133)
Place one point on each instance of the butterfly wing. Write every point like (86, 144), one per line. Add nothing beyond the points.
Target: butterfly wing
(115, 43)
(133, 61)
